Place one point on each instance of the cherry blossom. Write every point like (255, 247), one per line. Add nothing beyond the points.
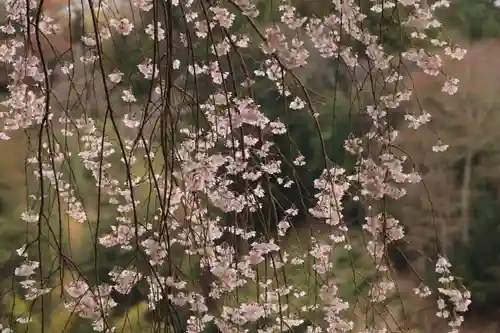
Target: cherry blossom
(179, 171)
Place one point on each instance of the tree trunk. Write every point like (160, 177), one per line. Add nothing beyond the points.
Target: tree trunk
(444, 234)
(207, 278)
(466, 196)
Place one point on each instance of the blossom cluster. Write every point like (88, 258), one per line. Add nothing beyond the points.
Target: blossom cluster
(197, 186)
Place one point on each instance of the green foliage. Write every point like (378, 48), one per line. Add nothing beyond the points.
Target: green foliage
(479, 260)
(133, 320)
(476, 19)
